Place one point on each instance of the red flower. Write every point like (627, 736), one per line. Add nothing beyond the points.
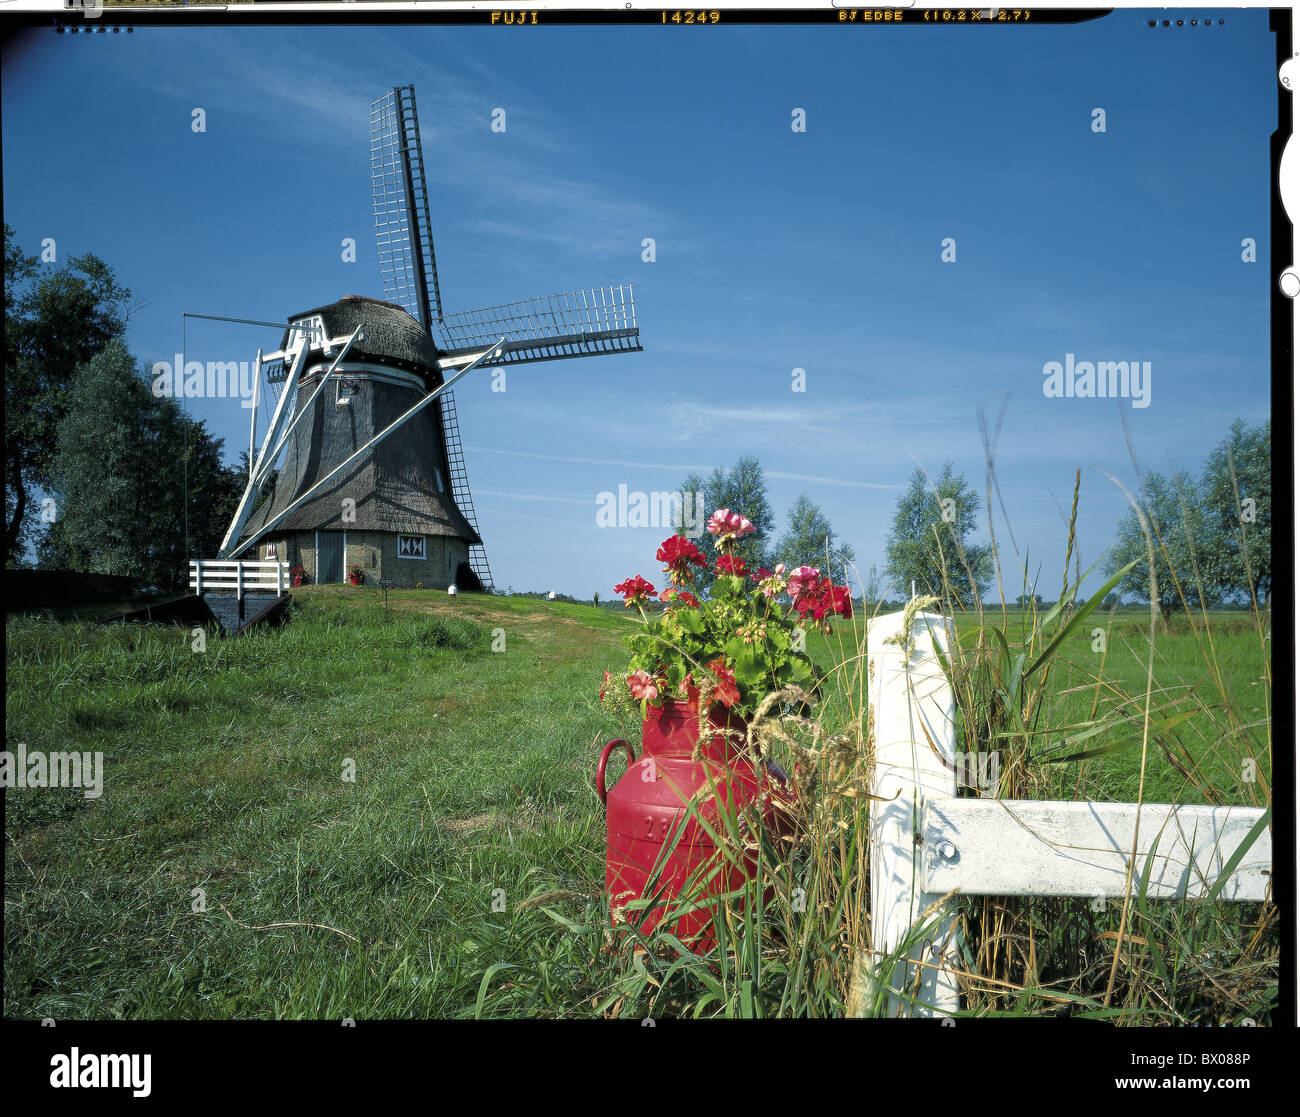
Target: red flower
(819, 596)
(634, 591)
(679, 554)
(672, 593)
(801, 581)
(730, 564)
(725, 691)
(642, 685)
(841, 601)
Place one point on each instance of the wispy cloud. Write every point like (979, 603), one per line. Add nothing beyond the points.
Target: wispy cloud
(816, 480)
(536, 497)
(475, 450)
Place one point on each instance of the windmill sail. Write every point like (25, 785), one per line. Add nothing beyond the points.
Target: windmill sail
(404, 235)
(569, 324)
(550, 328)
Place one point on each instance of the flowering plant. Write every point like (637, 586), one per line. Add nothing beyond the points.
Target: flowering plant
(737, 645)
(297, 575)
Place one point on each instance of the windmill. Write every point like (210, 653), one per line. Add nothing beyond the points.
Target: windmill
(373, 472)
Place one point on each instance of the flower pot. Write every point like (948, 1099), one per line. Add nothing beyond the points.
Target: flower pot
(651, 845)
(673, 729)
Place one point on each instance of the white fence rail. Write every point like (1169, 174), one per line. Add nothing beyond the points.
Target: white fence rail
(926, 842)
(220, 576)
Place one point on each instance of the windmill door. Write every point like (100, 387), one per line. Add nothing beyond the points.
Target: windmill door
(329, 556)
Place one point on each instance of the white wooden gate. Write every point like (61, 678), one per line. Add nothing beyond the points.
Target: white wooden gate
(926, 843)
(230, 576)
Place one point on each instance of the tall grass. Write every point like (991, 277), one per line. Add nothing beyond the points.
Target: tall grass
(1078, 703)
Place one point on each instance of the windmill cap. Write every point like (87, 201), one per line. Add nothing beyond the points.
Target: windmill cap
(391, 335)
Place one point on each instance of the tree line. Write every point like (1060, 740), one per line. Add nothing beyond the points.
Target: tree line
(1211, 534)
(100, 475)
(103, 476)
(807, 538)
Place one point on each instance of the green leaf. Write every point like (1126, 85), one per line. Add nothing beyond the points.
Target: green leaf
(1078, 617)
(1230, 866)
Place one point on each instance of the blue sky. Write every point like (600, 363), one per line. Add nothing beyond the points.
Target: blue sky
(775, 250)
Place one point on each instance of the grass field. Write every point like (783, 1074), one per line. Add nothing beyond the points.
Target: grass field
(372, 813)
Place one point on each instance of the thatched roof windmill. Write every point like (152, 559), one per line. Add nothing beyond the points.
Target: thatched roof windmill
(373, 473)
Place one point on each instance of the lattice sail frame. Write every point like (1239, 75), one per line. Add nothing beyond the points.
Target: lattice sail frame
(406, 259)
(586, 323)
(404, 238)
(568, 324)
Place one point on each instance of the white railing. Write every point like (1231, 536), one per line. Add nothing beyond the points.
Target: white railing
(927, 844)
(221, 576)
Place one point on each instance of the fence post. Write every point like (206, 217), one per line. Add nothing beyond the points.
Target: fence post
(915, 761)
(198, 576)
(279, 579)
(239, 581)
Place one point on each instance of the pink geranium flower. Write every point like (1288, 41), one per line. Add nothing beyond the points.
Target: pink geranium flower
(642, 686)
(728, 525)
(802, 580)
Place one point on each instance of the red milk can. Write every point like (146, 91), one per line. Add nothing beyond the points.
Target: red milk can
(646, 808)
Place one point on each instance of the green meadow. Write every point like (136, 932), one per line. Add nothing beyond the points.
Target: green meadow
(389, 811)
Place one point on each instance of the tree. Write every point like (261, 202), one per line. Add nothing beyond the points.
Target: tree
(742, 489)
(126, 468)
(1181, 541)
(1241, 513)
(931, 529)
(100, 473)
(873, 591)
(53, 326)
(810, 539)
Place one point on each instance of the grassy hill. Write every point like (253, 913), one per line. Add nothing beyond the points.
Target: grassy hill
(368, 812)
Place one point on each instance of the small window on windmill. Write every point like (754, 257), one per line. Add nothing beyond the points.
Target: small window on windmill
(346, 390)
(410, 546)
(270, 551)
(309, 331)
(437, 472)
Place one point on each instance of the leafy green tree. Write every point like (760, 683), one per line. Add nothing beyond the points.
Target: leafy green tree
(101, 470)
(124, 464)
(874, 589)
(1240, 514)
(1180, 538)
(54, 324)
(809, 538)
(931, 533)
(194, 507)
(742, 489)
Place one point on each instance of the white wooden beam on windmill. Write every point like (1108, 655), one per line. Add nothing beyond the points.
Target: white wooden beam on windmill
(296, 354)
(357, 454)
